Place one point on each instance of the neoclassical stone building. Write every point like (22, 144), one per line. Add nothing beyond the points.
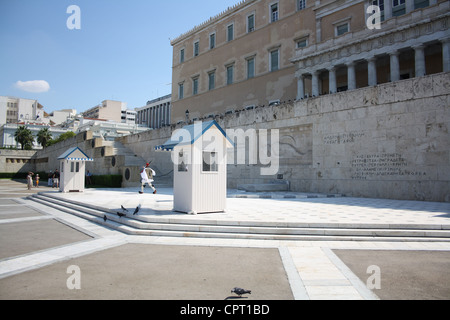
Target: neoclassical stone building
(363, 112)
(263, 52)
(411, 44)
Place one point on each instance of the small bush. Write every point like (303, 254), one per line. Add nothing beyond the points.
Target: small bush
(13, 175)
(107, 181)
(22, 175)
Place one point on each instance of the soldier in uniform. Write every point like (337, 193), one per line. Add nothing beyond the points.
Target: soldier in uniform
(147, 175)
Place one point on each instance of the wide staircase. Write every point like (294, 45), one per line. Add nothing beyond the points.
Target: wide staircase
(189, 226)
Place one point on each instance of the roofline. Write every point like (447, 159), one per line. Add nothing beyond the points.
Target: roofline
(213, 19)
(74, 149)
(171, 146)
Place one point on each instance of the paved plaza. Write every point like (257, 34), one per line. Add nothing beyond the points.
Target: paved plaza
(38, 244)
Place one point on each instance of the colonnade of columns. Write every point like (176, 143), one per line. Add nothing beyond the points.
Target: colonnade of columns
(419, 62)
(156, 116)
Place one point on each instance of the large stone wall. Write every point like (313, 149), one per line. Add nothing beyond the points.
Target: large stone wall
(47, 159)
(387, 141)
(12, 161)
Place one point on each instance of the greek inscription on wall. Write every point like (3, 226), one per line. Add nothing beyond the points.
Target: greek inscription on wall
(381, 165)
(342, 138)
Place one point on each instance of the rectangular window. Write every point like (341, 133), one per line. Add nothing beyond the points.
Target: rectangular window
(421, 4)
(380, 4)
(182, 164)
(301, 4)
(210, 162)
(196, 48)
(180, 91)
(77, 167)
(274, 12)
(72, 166)
(250, 68)
(211, 80)
(274, 60)
(341, 29)
(302, 43)
(230, 72)
(251, 23)
(195, 86)
(398, 8)
(181, 55)
(212, 41)
(230, 32)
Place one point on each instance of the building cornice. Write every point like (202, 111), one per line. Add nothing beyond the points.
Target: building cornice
(212, 20)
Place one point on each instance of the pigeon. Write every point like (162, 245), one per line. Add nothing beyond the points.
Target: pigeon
(121, 214)
(137, 210)
(105, 218)
(240, 291)
(124, 209)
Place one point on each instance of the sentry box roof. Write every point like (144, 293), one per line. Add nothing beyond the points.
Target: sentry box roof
(74, 154)
(191, 134)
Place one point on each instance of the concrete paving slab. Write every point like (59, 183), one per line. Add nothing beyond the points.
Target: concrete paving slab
(158, 272)
(7, 202)
(20, 238)
(404, 275)
(17, 211)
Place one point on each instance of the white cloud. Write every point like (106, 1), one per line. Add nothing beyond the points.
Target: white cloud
(35, 86)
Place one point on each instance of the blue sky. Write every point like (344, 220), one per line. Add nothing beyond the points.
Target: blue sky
(122, 51)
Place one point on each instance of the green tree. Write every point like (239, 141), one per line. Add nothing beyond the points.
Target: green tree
(62, 137)
(43, 137)
(66, 135)
(24, 136)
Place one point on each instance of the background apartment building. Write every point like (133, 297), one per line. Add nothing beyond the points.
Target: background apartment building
(261, 52)
(15, 110)
(156, 114)
(111, 110)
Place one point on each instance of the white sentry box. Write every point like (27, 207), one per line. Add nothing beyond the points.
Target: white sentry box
(199, 155)
(72, 167)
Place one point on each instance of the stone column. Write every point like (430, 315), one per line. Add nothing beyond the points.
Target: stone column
(300, 87)
(332, 80)
(409, 6)
(150, 117)
(446, 55)
(169, 115)
(351, 77)
(372, 71)
(395, 66)
(315, 84)
(387, 9)
(420, 60)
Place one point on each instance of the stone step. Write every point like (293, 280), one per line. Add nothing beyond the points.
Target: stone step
(203, 228)
(275, 186)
